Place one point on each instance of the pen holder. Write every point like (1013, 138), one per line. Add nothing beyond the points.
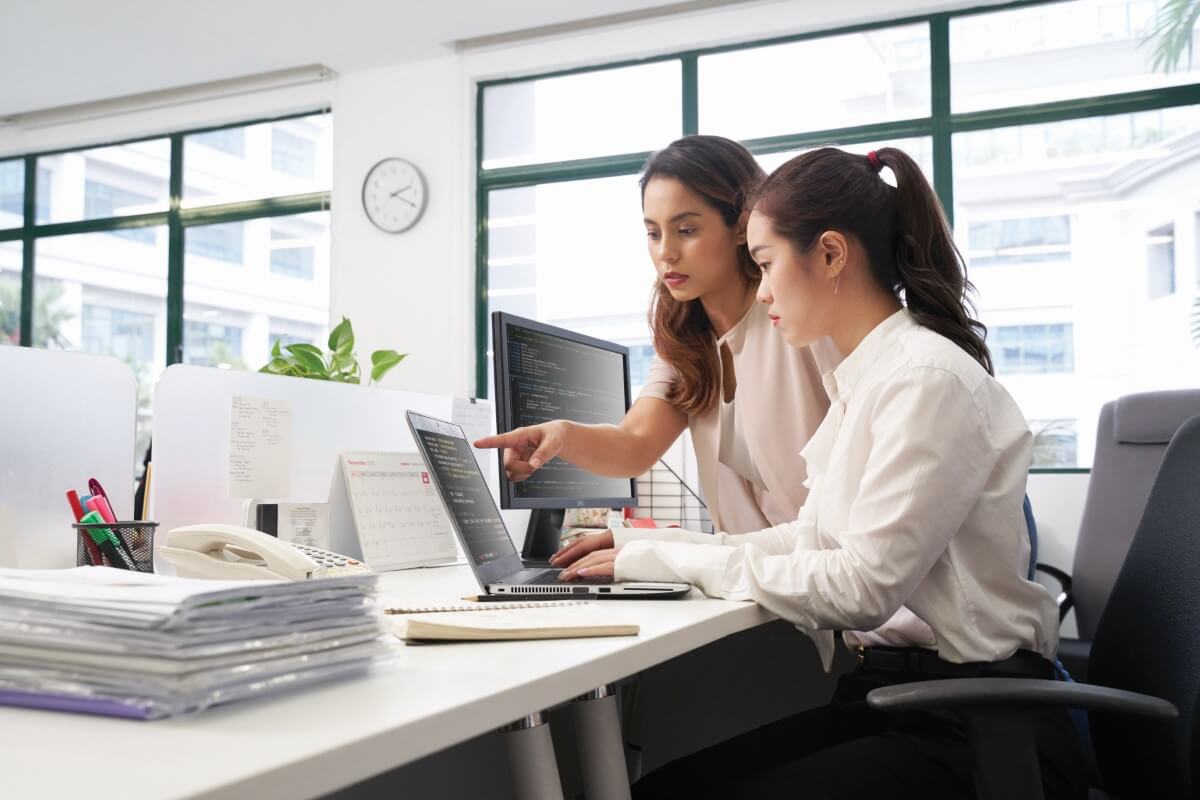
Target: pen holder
(137, 536)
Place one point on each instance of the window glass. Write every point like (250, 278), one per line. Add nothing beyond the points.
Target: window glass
(1071, 231)
(816, 84)
(102, 182)
(606, 112)
(538, 268)
(1062, 51)
(10, 292)
(99, 293)
(12, 193)
(292, 156)
(249, 283)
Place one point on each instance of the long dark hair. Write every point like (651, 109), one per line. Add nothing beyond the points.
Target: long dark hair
(723, 173)
(903, 230)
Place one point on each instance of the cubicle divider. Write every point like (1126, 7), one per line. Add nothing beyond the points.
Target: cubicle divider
(64, 418)
(221, 436)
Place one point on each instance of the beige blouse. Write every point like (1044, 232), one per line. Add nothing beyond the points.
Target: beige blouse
(780, 401)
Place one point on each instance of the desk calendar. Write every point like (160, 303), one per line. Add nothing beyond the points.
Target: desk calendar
(395, 510)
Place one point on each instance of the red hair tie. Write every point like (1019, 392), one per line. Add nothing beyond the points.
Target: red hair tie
(873, 161)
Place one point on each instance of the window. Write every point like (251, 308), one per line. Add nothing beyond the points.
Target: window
(222, 242)
(102, 200)
(285, 339)
(570, 117)
(875, 76)
(12, 193)
(120, 180)
(1160, 261)
(267, 159)
(1019, 241)
(293, 154)
(10, 292)
(1032, 348)
(128, 335)
(294, 243)
(213, 345)
(1055, 443)
(640, 356)
(227, 140)
(100, 276)
(281, 284)
(1066, 156)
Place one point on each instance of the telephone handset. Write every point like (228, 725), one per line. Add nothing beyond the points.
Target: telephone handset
(231, 552)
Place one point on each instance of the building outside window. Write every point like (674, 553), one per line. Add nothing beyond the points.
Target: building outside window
(1160, 261)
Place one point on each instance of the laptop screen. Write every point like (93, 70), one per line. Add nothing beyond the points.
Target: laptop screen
(466, 496)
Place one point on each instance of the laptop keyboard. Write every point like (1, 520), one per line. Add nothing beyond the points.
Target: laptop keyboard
(550, 577)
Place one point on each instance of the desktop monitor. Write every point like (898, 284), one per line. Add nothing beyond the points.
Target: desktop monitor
(544, 373)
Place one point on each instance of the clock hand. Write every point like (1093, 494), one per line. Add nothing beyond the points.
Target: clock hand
(409, 202)
(398, 191)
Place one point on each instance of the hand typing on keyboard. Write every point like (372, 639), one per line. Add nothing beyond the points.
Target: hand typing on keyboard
(597, 564)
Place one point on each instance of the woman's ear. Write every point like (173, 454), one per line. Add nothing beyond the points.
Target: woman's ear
(833, 249)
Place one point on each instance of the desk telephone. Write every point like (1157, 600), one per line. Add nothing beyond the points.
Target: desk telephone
(231, 552)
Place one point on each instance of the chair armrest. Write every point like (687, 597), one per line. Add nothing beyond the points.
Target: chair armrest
(1065, 599)
(958, 692)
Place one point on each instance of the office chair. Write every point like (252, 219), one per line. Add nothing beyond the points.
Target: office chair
(1131, 436)
(1144, 701)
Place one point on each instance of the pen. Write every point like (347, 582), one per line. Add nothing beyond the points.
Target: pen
(89, 546)
(98, 491)
(107, 543)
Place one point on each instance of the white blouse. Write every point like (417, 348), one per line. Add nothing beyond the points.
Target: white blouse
(777, 407)
(913, 529)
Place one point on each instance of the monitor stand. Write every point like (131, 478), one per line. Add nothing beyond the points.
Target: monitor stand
(543, 534)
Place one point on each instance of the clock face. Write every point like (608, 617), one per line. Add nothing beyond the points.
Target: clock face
(394, 195)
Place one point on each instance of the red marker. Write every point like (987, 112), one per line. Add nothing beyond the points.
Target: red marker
(98, 491)
(93, 552)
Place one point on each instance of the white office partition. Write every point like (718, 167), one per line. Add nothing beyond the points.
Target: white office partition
(194, 427)
(64, 418)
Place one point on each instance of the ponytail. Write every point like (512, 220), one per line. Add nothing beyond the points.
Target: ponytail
(929, 267)
(903, 230)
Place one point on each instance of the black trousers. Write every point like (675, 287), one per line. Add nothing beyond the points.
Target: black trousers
(847, 750)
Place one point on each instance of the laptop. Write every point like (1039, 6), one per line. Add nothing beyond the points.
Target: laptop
(484, 538)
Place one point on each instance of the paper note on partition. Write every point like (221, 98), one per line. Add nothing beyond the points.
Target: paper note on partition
(260, 448)
(476, 418)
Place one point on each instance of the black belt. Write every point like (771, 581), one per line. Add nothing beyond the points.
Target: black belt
(1022, 664)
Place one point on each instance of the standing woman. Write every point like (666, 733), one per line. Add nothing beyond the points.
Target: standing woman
(913, 539)
(750, 401)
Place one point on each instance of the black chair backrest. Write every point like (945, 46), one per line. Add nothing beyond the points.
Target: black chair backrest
(1148, 638)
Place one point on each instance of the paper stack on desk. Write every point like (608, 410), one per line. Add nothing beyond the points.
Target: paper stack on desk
(130, 644)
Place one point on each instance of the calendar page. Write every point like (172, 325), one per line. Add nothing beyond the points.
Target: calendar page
(399, 517)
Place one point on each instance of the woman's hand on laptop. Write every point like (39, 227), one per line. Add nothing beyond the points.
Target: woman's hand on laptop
(598, 563)
(527, 449)
(582, 547)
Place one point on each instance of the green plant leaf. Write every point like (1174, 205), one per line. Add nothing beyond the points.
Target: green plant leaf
(341, 338)
(275, 350)
(382, 362)
(309, 357)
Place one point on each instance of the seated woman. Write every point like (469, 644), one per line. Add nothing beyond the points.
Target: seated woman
(912, 540)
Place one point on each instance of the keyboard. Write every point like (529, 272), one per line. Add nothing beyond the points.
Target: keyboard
(550, 577)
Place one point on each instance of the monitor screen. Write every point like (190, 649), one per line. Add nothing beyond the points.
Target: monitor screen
(466, 496)
(545, 373)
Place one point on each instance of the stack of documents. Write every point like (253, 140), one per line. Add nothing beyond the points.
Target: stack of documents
(130, 644)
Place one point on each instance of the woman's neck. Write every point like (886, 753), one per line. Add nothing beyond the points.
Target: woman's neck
(726, 307)
(872, 309)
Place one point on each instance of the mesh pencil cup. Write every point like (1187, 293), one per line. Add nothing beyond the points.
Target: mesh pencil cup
(137, 536)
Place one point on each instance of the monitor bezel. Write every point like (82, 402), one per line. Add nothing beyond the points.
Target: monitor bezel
(501, 320)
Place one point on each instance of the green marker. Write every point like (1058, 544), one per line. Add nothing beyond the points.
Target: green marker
(107, 542)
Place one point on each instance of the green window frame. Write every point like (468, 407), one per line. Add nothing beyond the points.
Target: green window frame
(940, 126)
(176, 219)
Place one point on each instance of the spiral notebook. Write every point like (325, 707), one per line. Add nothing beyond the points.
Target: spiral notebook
(484, 606)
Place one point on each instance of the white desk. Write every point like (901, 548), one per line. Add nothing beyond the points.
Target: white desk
(312, 742)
